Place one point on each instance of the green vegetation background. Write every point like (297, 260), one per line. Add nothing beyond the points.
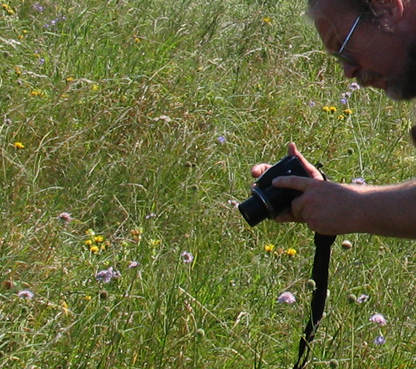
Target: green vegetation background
(142, 119)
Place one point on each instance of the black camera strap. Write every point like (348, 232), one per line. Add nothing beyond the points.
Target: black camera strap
(320, 276)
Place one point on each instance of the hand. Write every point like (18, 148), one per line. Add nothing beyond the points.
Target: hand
(325, 207)
(259, 169)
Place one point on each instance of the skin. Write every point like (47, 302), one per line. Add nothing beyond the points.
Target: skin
(332, 209)
(381, 58)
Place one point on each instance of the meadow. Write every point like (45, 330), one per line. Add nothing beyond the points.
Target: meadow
(127, 133)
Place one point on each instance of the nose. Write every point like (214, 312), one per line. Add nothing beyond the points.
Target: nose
(350, 70)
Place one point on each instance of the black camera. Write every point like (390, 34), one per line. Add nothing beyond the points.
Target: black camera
(268, 201)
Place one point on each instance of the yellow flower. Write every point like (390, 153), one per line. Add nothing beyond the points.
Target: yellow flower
(95, 87)
(19, 145)
(37, 92)
(88, 242)
(348, 111)
(88, 298)
(69, 79)
(94, 249)
(269, 247)
(137, 39)
(332, 109)
(18, 71)
(326, 109)
(98, 239)
(154, 243)
(341, 117)
(267, 20)
(291, 252)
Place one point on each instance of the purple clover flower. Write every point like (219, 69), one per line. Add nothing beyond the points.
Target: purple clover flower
(378, 319)
(107, 275)
(187, 257)
(26, 294)
(380, 340)
(286, 298)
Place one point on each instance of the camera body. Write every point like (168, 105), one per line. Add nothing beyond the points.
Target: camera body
(268, 201)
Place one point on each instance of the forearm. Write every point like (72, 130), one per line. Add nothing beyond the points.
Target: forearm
(388, 210)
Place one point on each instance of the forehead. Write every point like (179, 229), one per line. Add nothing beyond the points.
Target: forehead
(332, 21)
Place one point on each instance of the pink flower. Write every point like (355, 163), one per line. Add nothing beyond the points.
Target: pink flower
(378, 319)
(65, 217)
(26, 294)
(286, 298)
(187, 257)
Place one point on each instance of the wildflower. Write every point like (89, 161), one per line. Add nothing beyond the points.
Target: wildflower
(269, 247)
(378, 319)
(69, 79)
(38, 7)
(107, 275)
(347, 95)
(291, 252)
(137, 40)
(341, 117)
(26, 294)
(326, 109)
(233, 203)
(344, 101)
(359, 181)
(187, 257)
(88, 242)
(95, 87)
(99, 239)
(154, 242)
(380, 340)
(19, 145)
(221, 140)
(88, 298)
(267, 20)
(362, 298)
(332, 109)
(94, 249)
(151, 216)
(312, 103)
(65, 217)
(37, 92)
(354, 86)
(347, 111)
(286, 298)
(17, 70)
(134, 264)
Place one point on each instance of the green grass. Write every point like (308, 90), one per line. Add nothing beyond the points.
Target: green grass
(120, 106)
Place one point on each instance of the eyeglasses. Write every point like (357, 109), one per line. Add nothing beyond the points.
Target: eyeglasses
(339, 54)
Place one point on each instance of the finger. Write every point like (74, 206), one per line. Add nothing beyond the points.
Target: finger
(294, 182)
(293, 151)
(259, 169)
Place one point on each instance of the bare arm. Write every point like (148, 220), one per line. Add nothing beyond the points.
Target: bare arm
(333, 208)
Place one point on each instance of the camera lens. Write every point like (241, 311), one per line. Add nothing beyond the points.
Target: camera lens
(254, 210)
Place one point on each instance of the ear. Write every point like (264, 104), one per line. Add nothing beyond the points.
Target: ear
(389, 12)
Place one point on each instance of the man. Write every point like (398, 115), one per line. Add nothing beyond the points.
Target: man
(375, 40)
